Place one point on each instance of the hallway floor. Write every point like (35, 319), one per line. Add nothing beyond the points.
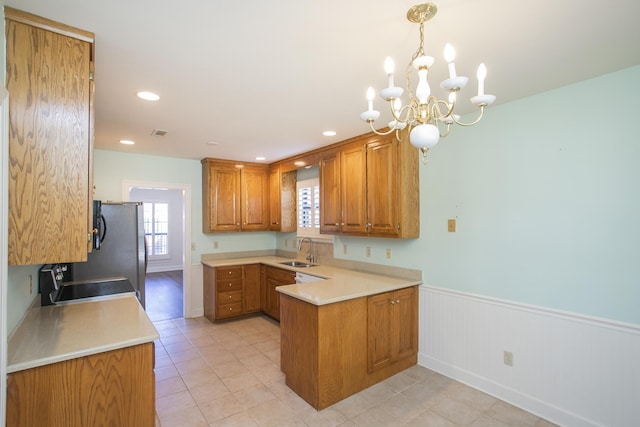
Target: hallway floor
(229, 375)
(163, 295)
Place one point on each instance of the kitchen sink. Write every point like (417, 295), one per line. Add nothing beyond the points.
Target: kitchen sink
(299, 264)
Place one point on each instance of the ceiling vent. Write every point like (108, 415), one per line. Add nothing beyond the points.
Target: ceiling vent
(158, 132)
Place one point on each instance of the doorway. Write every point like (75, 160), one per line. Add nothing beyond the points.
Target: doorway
(167, 228)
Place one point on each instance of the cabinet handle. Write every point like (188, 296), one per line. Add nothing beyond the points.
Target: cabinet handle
(368, 225)
(230, 309)
(229, 296)
(230, 273)
(337, 224)
(230, 285)
(342, 224)
(393, 301)
(397, 301)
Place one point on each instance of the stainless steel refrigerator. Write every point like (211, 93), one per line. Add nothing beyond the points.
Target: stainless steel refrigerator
(122, 250)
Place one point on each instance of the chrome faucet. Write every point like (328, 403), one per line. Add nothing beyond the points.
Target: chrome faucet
(310, 256)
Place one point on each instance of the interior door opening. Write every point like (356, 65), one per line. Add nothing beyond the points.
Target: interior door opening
(167, 225)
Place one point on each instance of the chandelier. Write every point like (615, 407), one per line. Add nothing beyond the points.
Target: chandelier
(425, 118)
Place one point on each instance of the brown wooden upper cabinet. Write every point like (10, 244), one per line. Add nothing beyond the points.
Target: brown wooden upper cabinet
(235, 196)
(282, 199)
(50, 81)
(369, 186)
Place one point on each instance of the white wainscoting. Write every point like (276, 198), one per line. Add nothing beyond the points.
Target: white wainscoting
(570, 369)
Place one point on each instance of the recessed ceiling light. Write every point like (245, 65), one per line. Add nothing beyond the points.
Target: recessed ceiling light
(127, 142)
(148, 96)
(261, 158)
(329, 133)
(212, 143)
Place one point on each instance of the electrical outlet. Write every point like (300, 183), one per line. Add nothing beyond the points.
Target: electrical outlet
(388, 253)
(344, 249)
(215, 244)
(368, 251)
(30, 284)
(508, 358)
(193, 246)
(451, 225)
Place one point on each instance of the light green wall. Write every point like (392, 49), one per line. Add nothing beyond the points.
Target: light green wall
(111, 168)
(545, 191)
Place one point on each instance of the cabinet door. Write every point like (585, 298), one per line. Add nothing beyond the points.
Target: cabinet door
(223, 193)
(275, 202)
(330, 211)
(48, 77)
(275, 277)
(379, 327)
(392, 327)
(405, 323)
(255, 198)
(251, 290)
(382, 189)
(353, 195)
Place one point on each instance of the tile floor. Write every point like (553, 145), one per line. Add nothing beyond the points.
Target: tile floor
(229, 375)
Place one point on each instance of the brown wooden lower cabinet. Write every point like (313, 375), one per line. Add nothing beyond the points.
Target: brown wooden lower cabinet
(114, 388)
(322, 347)
(231, 291)
(274, 277)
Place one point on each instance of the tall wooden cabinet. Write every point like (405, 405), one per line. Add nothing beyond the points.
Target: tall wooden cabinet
(235, 196)
(369, 187)
(50, 81)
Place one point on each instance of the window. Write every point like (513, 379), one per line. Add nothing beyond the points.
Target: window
(156, 229)
(308, 207)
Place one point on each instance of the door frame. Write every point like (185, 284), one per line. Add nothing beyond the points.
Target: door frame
(186, 231)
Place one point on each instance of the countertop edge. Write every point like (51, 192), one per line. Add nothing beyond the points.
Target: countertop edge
(291, 290)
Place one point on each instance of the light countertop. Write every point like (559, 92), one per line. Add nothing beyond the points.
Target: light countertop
(334, 284)
(56, 333)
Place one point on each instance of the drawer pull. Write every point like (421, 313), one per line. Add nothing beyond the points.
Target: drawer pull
(230, 284)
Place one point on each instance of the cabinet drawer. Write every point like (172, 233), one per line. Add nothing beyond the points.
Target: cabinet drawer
(229, 297)
(224, 273)
(227, 310)
(227, 285)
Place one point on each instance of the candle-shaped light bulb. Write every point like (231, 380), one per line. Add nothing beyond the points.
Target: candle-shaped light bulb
(450, 56)
(482, 74)
(389, 68)
(371, 93)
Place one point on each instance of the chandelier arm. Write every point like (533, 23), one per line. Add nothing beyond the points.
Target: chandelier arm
(377, 132)
(473, 122)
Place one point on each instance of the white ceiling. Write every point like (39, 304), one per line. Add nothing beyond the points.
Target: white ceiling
(265, 78)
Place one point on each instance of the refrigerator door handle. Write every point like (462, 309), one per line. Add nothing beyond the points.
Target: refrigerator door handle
(103, 221)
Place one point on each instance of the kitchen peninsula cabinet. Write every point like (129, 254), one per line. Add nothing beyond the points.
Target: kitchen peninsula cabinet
(50, 81)
(231, 291)
(326, 360)
(235, 196)
(369, 187)
(274, 277)
(114, 388)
